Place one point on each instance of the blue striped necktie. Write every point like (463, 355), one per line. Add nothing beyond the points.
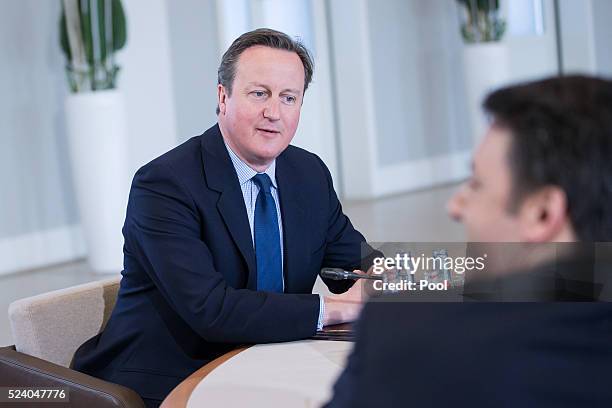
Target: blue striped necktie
(267, 238)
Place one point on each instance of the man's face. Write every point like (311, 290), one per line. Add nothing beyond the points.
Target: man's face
(482, 203)
(261, 116)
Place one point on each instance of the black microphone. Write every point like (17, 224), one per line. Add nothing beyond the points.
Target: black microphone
(341, 274)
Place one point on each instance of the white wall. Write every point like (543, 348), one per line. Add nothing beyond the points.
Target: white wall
(576, 36)
(585, 34)
(534, 55)
(416, 70)
(399, 95)
(38, 215)
(194, 53)
(401, 91)
(147, 81)
(602, 34)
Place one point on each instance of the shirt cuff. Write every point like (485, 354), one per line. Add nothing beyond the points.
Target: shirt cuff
(321, 313)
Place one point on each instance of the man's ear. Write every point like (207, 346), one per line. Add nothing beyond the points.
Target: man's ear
(221, 97)
(544, 217)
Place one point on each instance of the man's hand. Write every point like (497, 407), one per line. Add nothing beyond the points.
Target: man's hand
(346, 306)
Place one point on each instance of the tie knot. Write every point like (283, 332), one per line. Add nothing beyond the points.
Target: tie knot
(263, 182)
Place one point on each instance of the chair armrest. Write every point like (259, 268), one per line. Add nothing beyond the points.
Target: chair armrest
(21, 370)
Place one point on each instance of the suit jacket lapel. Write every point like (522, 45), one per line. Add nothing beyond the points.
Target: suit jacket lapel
(221, 176)
(295, 225)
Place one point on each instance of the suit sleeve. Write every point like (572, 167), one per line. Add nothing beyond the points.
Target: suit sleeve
(345, 246)
(162, 230)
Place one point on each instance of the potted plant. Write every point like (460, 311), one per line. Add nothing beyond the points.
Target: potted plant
(481, 21)
(91, 32)
(485, 56)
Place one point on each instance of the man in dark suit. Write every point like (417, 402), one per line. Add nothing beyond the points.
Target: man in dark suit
(540, 177)
(225, 234)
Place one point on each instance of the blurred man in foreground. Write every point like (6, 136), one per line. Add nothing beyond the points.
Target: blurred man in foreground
(543, 174)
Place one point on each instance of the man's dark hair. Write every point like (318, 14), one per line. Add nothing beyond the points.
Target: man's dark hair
(561, 135)
(267, 38)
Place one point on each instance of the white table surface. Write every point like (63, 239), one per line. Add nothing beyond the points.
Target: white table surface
(294, 374)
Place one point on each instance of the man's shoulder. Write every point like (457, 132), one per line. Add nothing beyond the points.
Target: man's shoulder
(297, 153)
(302, 161)
(400, 318)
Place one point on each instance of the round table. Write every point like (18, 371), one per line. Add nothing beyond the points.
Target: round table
(293, 374)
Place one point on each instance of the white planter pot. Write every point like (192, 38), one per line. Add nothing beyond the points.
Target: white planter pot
(97, 132)
(486, 67)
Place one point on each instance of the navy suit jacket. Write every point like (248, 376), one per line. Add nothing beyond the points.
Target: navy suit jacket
(188, 292)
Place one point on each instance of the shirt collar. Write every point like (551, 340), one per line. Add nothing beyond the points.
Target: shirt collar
(245, 173)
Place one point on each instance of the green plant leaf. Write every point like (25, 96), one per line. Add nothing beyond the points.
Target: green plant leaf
(119, 26)
(98, 73)
(64, 44)
(481, 5)
(84, 7)
(102, 10)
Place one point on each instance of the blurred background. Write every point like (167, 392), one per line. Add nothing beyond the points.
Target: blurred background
(393, 110)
